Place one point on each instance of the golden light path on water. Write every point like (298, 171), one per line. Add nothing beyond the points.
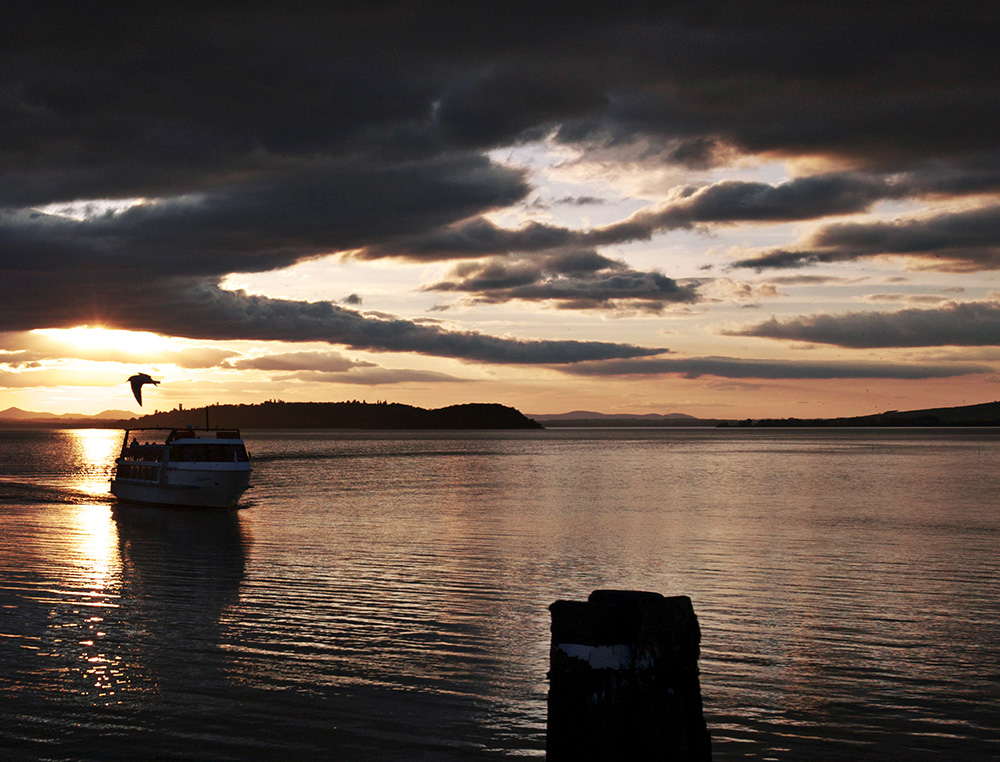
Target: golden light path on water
(93, 453)
(92, 581)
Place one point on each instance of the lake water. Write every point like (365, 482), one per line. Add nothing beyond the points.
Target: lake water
(384, 595)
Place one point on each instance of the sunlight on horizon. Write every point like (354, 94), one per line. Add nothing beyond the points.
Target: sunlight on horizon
(98, 336)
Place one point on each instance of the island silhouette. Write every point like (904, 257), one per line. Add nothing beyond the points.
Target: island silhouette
(276, 414)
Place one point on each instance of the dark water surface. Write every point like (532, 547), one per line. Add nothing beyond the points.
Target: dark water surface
(384, 596)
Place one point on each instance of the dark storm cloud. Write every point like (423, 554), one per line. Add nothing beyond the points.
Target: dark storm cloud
(205, 87)
(102, 103)
(731, 367)
(511, 100)
(958, 241)
(265, 223)
(269, 135)
(969, 324)
(879, 83)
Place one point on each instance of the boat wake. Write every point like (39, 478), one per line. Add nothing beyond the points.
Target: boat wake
(27, 492)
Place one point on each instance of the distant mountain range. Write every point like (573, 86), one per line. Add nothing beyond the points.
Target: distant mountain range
(986, 414)
(589, 419)
(586, 414)
(16, 414)
(384, 416)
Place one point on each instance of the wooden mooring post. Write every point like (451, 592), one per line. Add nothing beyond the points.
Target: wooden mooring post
(623, 680)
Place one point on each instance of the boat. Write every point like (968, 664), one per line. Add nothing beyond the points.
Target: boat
(197, 468)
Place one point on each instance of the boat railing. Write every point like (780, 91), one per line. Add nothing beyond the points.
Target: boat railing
(143, 452)
(182, 446)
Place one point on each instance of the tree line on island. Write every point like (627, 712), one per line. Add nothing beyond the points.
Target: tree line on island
(276, 414)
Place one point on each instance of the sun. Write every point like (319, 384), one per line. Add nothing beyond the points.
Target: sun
(99, 337)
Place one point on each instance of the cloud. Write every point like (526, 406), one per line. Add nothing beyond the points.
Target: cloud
(370, 376)
(807, 280)
(802, 198)
(581, 200)
(730, 367)
(724, 289)
(507, 101)
(906, 298)
(327, 362)
(269, 221)
(973, 324)
(957, 241)
(822, 81)
(569, 280)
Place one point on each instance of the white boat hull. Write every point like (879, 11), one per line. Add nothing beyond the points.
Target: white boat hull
(202, 487)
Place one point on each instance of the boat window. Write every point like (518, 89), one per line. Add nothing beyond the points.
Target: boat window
(207, 453)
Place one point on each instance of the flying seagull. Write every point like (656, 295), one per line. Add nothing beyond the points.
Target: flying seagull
(137, 381)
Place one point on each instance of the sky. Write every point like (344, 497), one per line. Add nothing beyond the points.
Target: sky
(731, 210)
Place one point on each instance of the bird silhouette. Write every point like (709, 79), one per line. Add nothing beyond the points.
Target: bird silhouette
(137, 381)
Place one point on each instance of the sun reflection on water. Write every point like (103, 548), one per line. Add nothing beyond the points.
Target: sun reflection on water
(92, 613)
(92, 453)
(96, 548)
